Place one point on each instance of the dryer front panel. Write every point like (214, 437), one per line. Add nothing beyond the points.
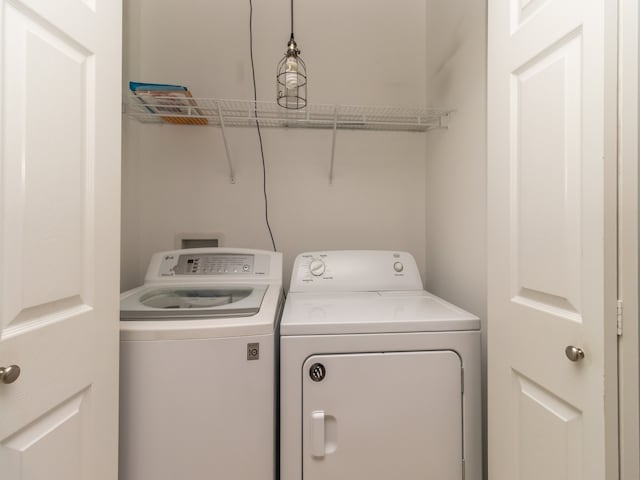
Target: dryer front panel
(382, 415)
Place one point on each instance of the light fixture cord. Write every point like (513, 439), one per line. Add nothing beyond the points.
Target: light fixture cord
(291, 18)
(255, 111)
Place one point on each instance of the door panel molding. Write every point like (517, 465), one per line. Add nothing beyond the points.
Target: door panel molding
(541, 411)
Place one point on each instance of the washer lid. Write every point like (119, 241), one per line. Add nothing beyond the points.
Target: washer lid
(372, 312)
(185, 302)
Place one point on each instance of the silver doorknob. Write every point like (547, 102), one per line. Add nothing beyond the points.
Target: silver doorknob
(9, 374)
(574, 353)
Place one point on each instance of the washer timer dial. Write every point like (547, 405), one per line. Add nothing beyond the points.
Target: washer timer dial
(316, 267)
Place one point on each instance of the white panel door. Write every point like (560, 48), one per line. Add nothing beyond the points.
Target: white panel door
(59, 237)
(378, 416)
(552, 239)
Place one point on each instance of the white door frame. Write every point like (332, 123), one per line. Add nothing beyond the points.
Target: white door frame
(628, 239)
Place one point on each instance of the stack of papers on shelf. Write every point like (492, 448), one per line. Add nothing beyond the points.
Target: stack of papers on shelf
(169, 101)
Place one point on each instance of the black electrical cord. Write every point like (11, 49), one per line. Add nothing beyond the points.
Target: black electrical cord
(255, 111)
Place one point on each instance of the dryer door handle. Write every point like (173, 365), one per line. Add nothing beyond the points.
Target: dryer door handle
(317, 434)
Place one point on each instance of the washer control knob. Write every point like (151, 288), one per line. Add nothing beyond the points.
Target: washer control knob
(398, 267)
(316, 267)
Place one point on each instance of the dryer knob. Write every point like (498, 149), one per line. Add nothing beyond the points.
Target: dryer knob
(316, 267)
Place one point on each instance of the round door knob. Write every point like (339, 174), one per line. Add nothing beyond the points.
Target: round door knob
(9, 374)
(574, 353)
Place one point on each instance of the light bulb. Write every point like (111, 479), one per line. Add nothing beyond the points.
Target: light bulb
(291, 73)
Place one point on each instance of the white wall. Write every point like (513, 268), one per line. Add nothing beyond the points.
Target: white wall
(456, 158)
(176, 179)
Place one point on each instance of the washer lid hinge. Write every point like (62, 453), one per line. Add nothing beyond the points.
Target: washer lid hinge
(619, 317)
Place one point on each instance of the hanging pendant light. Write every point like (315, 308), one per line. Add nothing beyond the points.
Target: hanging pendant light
(292, 76)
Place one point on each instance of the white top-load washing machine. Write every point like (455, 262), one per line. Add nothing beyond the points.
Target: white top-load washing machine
(379, 379)
(197, 366)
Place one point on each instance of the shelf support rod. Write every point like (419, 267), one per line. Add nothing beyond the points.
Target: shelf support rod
(226, 144)
(333, 142)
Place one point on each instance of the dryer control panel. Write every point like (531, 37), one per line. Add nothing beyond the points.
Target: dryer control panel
(355, 271)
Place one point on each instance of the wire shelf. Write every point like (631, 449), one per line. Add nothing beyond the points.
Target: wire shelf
(245, 113)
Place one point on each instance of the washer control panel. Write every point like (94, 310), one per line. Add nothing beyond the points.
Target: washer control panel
(210, 264)
(357, 270)
(217, 263)
(214, 264)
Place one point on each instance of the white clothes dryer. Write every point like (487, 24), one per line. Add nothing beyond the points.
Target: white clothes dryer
(197, 366)
(379, 378)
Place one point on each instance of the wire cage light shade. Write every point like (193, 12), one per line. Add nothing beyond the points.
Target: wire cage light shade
(292, 79)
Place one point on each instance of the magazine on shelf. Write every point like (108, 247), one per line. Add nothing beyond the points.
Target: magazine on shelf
(168, 101)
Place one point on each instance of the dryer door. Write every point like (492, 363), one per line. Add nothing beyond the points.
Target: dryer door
(383, 415)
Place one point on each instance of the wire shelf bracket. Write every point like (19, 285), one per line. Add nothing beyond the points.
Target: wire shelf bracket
(226, 145)
(333, 144)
